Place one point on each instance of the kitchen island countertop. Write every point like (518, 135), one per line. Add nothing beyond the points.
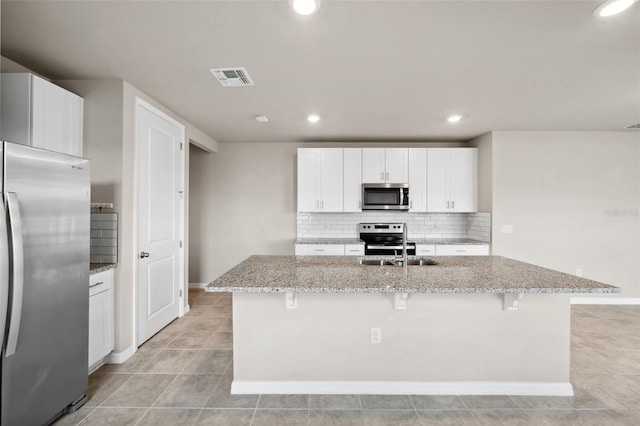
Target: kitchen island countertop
(457, 274)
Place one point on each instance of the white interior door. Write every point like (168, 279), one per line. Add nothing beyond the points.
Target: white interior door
(159, 166)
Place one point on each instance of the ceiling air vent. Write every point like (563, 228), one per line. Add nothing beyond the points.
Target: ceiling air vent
(633, 126)
(232, 77)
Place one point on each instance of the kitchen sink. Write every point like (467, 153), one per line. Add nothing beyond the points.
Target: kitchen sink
(388, 262)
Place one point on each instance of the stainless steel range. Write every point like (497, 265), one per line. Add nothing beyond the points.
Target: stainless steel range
(384, 239)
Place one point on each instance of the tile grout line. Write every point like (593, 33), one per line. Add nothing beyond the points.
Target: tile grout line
(415, 411)
(84, 418)
(255, 410)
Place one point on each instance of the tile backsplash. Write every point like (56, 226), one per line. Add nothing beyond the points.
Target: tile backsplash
(104, 238)
(420, 225)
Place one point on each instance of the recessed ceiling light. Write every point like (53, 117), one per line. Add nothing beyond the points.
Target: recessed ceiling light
(305, 7)
(262, 119)
(454, 118)
(313, 118)
(613, 7)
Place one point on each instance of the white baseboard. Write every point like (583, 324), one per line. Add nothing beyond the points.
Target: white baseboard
(187, 308)
(120, 357)
(198, 285)
(605, 300)
(401, 388)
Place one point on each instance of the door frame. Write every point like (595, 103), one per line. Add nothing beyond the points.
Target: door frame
(140, 103)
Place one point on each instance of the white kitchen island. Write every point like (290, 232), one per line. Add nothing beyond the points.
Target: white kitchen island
(468, 326)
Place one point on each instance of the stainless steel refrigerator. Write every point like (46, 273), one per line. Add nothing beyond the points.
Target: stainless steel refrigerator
(44, 277)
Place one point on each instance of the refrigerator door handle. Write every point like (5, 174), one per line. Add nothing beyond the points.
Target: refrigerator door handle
(15, 226)
(4, 271)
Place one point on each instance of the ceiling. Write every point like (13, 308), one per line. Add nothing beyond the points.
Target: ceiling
(373, 70)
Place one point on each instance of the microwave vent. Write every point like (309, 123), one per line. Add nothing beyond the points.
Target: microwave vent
(232, 77)
(633, 126)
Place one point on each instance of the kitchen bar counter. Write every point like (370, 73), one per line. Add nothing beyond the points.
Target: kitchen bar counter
(458, 274)
(484, 325)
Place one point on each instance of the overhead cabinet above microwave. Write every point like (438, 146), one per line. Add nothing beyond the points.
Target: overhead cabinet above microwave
(385, 165)
(38, 113)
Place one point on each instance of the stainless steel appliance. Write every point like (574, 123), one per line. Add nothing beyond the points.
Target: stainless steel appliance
(385, 196)
(44, 291)
(385, 239)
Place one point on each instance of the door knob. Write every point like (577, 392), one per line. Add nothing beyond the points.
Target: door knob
(143, 254)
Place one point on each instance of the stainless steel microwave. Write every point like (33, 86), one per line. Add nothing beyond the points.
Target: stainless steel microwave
(385, 196)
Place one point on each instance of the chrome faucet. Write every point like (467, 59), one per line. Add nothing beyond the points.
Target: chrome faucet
(404, 258)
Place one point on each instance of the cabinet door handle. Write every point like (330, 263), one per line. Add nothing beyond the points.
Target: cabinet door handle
(96, 284)
(387, 176)
(382, 176)
(448, 204)
(453, 204)
(318, 250)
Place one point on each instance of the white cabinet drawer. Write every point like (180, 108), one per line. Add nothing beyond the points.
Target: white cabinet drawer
(425, 250)
(354, 249)
(319, 250)
(462, 250)
(100, 282)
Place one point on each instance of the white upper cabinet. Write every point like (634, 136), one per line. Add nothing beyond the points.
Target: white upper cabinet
(320, 179)
(352, 179)
(385, 165)
(38, 113)
(417, 179)
(452, 180)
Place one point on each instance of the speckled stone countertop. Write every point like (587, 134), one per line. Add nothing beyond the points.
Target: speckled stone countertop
(440, 241)
(448, 241)
(95, 268)
(329, 241)
(456, 274)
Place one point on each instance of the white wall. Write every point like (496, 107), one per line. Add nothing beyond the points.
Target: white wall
(572, 198)
(242, 203)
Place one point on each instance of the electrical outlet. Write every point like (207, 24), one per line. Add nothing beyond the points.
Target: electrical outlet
(506, 229)
(578, 272)
(376, 335)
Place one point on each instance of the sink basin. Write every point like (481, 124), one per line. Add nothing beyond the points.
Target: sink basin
(410, 262)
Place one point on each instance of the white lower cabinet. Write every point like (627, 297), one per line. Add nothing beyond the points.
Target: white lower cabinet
(425, 250)
(462, 250)
(354, 249)
(101, 317)
(319, 249)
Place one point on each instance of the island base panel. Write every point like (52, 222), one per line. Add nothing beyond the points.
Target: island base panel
(441, 344)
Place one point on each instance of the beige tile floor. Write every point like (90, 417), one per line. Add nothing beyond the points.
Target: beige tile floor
(183, 374)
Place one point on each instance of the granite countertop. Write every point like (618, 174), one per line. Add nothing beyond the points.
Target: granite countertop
(448, 241)
(440, 241)
(455, 274)
(94, 268)
(329, 241)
